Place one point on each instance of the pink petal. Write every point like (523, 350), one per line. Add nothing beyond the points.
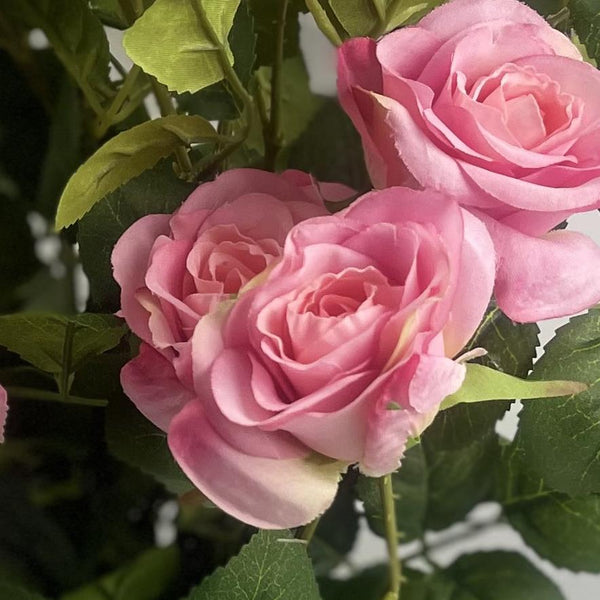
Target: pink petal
(151, 383)
(549, 276)
(267, 493)
(3, 411)
(130, 258)
(474, 285)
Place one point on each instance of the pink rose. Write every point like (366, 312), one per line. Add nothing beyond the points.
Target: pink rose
(485, 101)
(174, 269)
(3, 411)
(339, 356)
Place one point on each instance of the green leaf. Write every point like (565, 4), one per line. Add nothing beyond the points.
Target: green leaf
(186, 60)
(111, 13)
(17, 257)
(124, 157)
(298, 103)
(560, 528)
(215, 102)
(376, 17)
(585, 17)
(511, 349)
(135, 440)
(64, 154)
(499, 576)
(434, 487)
(14, 592)
(482, 383)
(273, 566)
(157, 190)
(561, 439)
(337, 529)
(330, 149)
(146, 578)
(78, 39)
(40, 338)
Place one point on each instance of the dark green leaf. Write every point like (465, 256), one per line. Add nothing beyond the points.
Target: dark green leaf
(146, 578)
(511, 349)
(63, 155)
(134, 439)
(17, 258)
(13, 592)
(111, 13)
(124, 157)
(435, 486)
(298, 104)
(273, 566)
(186, 59)
(337, 529)
(40, 338)
(265, 13)
(561, 438)
(78, 39)
(563, 529)
(330, 149)
(585, 16)
(155, 191)
(499, 576)
(370, 584)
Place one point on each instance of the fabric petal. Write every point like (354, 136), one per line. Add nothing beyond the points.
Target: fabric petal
(3, 411)
(266, 493)
(149, 380)
(549, 276)
(475, 284)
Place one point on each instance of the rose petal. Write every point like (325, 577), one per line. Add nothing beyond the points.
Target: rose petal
(266, 493)
(149, 380)
(540, 278)
(3, 411)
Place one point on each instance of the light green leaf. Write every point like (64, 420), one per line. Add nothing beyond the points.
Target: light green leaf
(511, 349)
(157, 190)
(146, 578)
(376, 17)
(561, 440)
(273, 566)
(39, 338)
(482, 383)
(185, 60)
(78, 39)
(124, 157)
(560, 528)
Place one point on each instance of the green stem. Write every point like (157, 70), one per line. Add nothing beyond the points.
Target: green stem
(273, 137)
(308, 531)
(391, 536)
(323, 22)
(34, 394)
(166, 108)
(109, 117)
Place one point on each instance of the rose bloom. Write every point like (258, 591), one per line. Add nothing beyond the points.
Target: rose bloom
(174, 269)
(485, 101)
(338, 355)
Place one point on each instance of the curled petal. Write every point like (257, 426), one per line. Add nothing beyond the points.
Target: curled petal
(264, 492)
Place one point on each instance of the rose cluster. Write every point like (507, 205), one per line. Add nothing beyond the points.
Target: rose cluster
(282, 344)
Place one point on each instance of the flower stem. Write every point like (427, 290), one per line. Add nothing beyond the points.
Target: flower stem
(273, 137)
(323, 22)
(391, 536)
(308, 531)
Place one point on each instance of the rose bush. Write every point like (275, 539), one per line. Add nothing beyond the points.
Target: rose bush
(486, 101)
(174, 269)
(339, 356)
